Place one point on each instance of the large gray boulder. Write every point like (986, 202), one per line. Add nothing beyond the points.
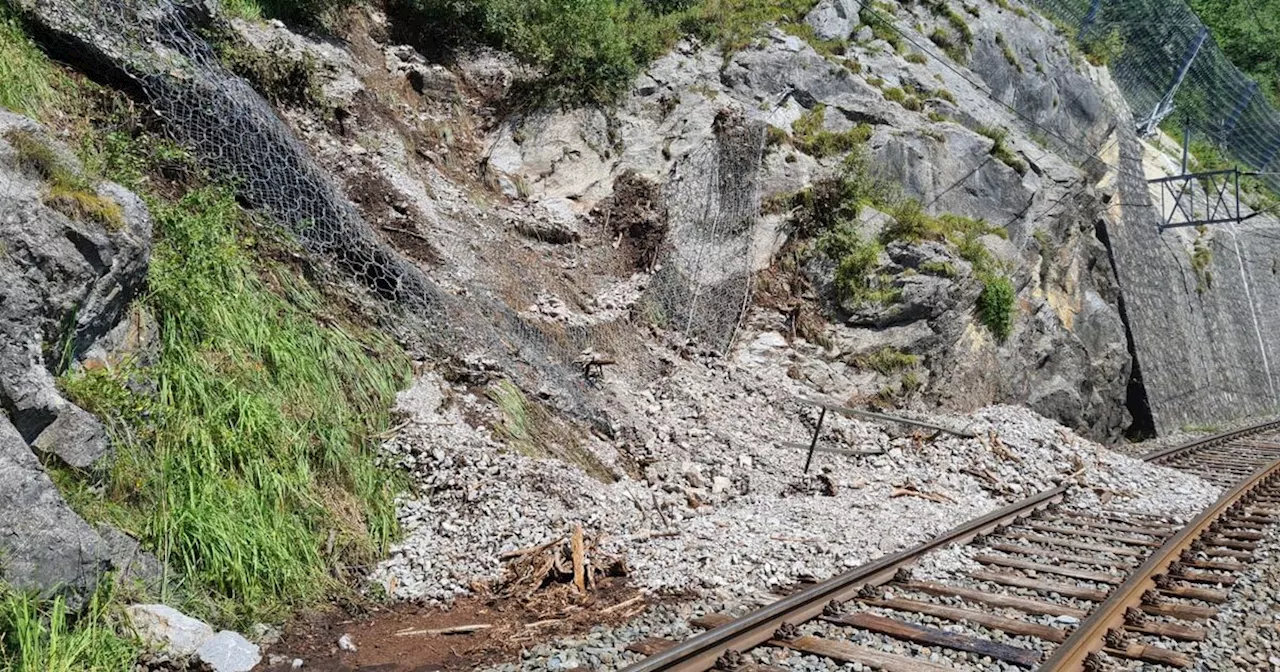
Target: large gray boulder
(834, 19)
(72, 257)
(44, 545)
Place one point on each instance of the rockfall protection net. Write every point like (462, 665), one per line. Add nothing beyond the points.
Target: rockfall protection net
(156, 48)
(1216, 100)
(704, 281)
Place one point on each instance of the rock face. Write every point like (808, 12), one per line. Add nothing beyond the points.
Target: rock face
(65, 281)
(46, 547)
(67, 275)
(1067, 356)
(1200, 305)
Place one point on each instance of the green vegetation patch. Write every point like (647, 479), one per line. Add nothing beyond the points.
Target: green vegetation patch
(305, 12)
(591, 50)
(1103, 49)
(67, 190)
(995, 306)
(46, 636)
(245, 456)
(29, 82)
(887, 360)
(1000, 149)
(814, 140)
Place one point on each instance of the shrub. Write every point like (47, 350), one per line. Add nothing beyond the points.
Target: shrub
(1103, 50)
(995, 306)
(887, 360)
(305, 12)
(856, 263)
(917, 57)
(881, 27)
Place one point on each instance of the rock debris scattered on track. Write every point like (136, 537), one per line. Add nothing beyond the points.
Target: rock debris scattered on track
(709, 436)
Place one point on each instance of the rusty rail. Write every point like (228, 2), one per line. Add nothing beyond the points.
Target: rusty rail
(701, 652)
(1110, 615)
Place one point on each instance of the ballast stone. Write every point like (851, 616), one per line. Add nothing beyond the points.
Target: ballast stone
(229, 651)
(168, 630)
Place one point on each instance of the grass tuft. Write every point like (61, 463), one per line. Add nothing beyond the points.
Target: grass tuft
(66, 190)
(46, 636)
(29, 82)
(814, 140)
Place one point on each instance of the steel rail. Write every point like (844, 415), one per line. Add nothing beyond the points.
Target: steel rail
(1208, 441)
(1089, 637)
(700, 653)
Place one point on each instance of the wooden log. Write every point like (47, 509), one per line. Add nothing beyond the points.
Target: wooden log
(1012, 626)
(710, 621)
(1187, 612)
(1152, 654)
(1178, 631)
(1191, 592)
(921, 634)
(579, 560)
(1224, 542)
(1047, 587)
(1131, 541)
(995, 599)
(1078, 545)
(1061, 557)
(1113, 527)
(1014, 563)
(853, 653)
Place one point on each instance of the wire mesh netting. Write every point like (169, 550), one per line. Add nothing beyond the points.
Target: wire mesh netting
(713, 200)
(1150, 42)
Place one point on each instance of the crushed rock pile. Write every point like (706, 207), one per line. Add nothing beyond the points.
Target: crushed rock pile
(708, 490)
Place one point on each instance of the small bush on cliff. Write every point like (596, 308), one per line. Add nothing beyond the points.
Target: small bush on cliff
(814, 140)
(995, 306)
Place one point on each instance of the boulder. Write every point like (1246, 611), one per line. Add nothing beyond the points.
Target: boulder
(229, 652)
(834, 19)
(66, 280)
(166, 630)
(44, 545)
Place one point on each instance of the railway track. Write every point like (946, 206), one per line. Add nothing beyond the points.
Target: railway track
(1055, 588)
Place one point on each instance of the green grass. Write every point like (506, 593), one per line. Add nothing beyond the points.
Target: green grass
(1103, 49)
(305, 12)
(1005, 49)
(591, 50)
(995, 306)
(67, 189)
(1000, 149)
(250, 469)
(814, 140)
(887, 360)
(47, 636)
(29, 82)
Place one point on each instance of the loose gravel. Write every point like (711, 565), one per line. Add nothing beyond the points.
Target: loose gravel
(1246, 633)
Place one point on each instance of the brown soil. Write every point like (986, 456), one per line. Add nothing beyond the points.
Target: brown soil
(390, 639)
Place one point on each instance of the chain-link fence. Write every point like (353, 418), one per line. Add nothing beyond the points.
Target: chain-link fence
(1149, 44)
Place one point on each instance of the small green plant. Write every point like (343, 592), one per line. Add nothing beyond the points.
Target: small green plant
(813, 139)
(1103, 49)
(1004, 4)
(887, 360)
(943, 269)
(47, 636)
(67, 190)
(1000, 150)
(911, 382)
(1201, 259)
(944, 94)
(995, 306)
(305, 12)
(881, 26)
(938, 117)
(1005, 49)
(531, 428)
(282, 78)
(917, 57)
